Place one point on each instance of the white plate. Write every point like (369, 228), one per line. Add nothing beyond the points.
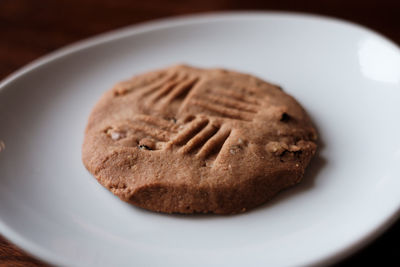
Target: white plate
(346, 76)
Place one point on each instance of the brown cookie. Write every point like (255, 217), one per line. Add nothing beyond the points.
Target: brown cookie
(186, 140)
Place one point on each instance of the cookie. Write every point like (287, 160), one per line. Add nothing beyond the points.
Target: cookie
(191, 140)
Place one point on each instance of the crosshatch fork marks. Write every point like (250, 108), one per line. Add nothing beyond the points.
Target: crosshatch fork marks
(124, 88)
(200, 138)
(215, 144)
(190, 131)
(174, 87)
(203, 136)
(233, 94)
(183, 89)
(231, 103)
(158, 84)
(175, 90)
(169, 86)
(223, 111)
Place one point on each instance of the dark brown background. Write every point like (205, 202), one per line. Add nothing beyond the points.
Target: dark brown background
(32, 28)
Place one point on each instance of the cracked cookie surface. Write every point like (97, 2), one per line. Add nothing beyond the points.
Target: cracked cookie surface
(185, 140)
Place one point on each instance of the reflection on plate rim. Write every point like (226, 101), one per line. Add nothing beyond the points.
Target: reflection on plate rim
(171, 22)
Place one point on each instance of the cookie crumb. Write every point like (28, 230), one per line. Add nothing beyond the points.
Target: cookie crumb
(285, 117)
(115, 135)
(294, 148)
(144, 147)
(235, 149)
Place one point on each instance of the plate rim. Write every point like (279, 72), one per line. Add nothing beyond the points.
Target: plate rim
(42, 253)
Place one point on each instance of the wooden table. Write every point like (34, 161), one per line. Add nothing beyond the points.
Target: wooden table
(30, 29)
